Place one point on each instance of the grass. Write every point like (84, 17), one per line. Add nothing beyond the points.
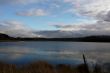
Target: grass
(44, 67)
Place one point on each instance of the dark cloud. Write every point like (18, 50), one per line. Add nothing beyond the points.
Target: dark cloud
(104, 16)
(98, 28)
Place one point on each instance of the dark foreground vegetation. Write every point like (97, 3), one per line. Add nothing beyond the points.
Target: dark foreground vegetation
(4, 37)
(44, 67)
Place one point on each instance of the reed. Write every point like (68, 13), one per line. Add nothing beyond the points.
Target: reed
(45, 67)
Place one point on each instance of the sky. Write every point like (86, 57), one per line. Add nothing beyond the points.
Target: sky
(23, 17)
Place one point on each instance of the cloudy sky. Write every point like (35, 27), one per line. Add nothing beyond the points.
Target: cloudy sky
(22, 17)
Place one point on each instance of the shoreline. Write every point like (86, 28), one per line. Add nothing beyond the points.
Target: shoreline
(43, 67)
(52, 41)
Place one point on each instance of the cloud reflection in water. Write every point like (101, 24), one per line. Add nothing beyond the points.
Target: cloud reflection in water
(93, 51)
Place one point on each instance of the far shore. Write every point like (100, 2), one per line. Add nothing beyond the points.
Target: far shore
(52, 41)
(92, 38)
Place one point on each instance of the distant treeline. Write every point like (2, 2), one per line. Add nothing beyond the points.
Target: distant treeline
(101, 38)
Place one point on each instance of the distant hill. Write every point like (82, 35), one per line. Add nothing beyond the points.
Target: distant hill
(4, 35)
(97, 38)
(102, 38)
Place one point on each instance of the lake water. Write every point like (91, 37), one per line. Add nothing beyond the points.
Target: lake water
(54, 52)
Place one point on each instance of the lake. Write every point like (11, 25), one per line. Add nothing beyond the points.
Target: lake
(54, 52)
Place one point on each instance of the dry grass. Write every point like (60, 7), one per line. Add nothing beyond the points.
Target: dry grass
(42, 67)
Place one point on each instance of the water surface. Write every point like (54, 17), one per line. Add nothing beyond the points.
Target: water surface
(54, 52)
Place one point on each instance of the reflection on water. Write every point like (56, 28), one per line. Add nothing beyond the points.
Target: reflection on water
(55, 52)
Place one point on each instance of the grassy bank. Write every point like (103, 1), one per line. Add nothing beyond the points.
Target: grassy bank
(44, 67)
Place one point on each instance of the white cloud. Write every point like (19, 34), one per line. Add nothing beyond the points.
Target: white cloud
(33, 12)
(89, 7)
(16, 29)
(99, 10)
